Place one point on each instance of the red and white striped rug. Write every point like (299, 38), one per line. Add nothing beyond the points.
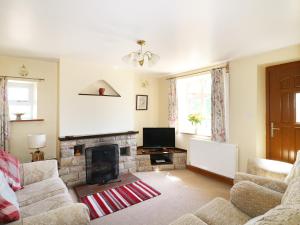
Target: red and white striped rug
(115, 199)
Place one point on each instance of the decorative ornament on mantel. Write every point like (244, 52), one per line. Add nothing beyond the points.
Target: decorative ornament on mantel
(101, 91)
(100, 88)
(139, 57)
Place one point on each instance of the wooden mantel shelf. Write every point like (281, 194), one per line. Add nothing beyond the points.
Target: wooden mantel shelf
(69, 138)
(33, 120)
(100, 95)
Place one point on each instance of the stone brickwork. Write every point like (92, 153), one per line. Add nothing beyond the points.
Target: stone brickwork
(143, 163)
(72, 168)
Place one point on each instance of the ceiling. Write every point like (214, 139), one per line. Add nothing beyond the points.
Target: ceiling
(187, 34)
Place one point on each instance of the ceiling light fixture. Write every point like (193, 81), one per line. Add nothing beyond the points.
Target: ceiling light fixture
(139, 57)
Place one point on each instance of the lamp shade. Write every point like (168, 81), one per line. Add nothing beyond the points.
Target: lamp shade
(36, 140)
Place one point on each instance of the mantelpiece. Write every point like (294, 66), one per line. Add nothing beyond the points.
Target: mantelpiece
(77, 137)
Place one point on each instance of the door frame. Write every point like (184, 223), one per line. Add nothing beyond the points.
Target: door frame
(268, 152)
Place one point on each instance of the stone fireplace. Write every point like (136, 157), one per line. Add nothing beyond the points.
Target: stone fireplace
(72, 161)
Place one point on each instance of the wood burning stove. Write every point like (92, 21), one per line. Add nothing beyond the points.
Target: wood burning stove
(102, 163)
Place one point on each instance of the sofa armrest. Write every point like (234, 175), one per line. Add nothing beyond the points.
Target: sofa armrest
(253, 199)
(37, 171)
(273, 184)
(188, 219)
(73, 214)
(269, 168)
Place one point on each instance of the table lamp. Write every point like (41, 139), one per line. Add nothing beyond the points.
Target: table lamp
(37, 141)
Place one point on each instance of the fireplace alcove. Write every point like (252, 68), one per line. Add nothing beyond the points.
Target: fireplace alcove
(102, 163)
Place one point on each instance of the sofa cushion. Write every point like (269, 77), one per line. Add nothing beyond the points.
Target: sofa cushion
(188, 219)
(270, 183)
(269, 168)
(71, 214)
(9, 207)
(281, 215)
(41, 190)
(10, 166)
(220, 211)
(292, 194)
(37, 171)
(295, 171)
(253, 199)
(45, 205)
(254, 220)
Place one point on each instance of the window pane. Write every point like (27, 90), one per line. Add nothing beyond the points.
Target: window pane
(298, 107)
(18, 94)
(194, 96)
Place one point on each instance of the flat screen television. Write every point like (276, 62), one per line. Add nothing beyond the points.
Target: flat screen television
(163, 137)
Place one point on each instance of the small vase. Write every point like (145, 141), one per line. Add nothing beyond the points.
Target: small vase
(101, 91)
(196, 130)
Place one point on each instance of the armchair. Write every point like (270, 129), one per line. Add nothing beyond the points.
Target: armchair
(267, 173)
(249, 204)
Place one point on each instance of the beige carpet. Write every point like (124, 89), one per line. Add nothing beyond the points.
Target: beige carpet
(182, 191)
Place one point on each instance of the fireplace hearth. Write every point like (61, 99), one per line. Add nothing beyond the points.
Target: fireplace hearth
(102, 163)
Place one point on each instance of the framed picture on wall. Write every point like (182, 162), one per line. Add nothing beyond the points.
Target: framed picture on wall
(141, 102)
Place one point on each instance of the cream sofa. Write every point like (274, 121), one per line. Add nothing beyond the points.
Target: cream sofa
(255, 202)
(45, 198)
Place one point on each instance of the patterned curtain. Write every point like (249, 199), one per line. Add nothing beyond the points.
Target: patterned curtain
(4, 115)
(172, 116)
(218, 118)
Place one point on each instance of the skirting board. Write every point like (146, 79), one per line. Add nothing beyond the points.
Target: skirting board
(218, 177)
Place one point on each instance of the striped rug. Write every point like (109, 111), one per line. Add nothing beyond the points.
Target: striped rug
(115, 199)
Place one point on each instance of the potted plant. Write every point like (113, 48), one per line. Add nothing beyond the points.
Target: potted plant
(195, 119)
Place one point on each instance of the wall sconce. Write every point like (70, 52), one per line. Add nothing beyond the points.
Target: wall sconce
(23, 71)
(145, 84)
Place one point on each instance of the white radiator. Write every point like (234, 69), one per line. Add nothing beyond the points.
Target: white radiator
(219, 158)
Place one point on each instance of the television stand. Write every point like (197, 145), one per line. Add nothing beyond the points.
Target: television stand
(149, 159)
(160, 159)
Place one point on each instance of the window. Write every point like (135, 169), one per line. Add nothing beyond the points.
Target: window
(194, 97)
(22, 99)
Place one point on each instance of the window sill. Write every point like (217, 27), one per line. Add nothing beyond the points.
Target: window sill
(197, 135)
(32, 120)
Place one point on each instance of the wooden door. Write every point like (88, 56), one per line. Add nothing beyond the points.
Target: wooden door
(283, 111)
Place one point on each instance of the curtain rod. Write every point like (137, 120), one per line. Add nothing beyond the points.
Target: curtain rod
(204, 70)
(25, 78)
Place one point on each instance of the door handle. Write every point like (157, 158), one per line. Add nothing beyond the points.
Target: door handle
(273, 128)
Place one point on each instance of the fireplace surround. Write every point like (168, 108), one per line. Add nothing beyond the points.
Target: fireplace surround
(72, 164)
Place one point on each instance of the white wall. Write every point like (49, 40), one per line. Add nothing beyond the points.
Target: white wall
(94, 114)
(247, 100)
(46, 105)
(150, 117)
